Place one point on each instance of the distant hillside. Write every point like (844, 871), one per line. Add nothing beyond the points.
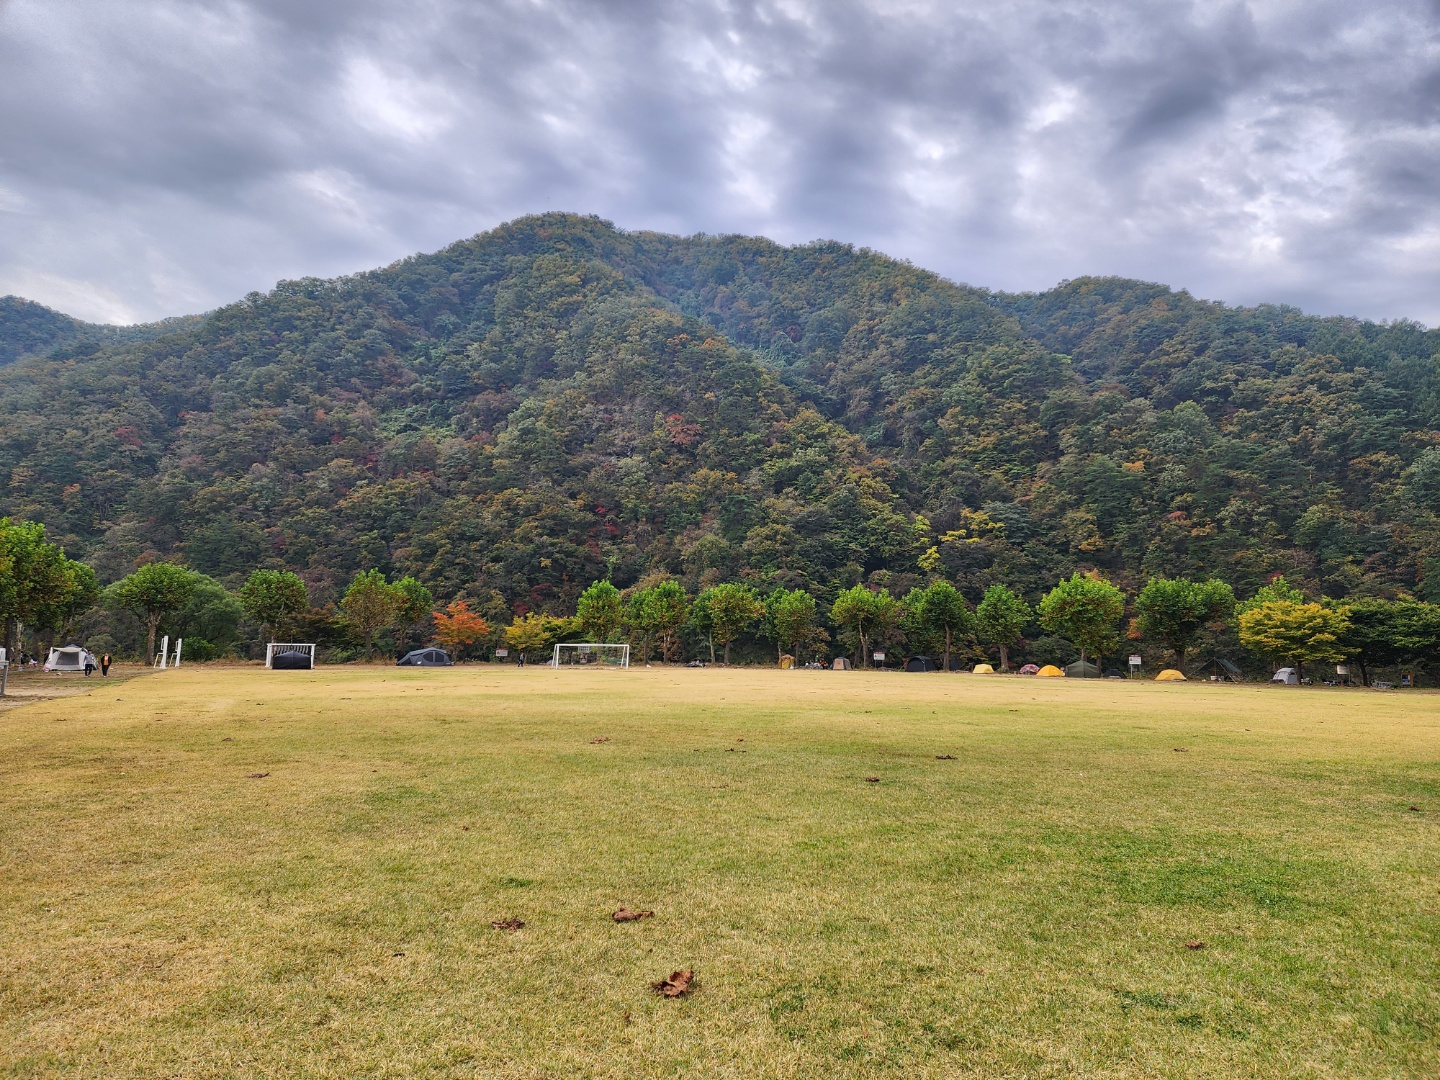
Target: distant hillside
(555, 400)
(28, 328)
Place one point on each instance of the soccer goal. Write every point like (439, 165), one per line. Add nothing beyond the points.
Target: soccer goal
(590, 653)
(290, 656)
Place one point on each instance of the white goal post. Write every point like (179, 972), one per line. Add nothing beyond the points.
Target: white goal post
(591, 653)
(308, 648)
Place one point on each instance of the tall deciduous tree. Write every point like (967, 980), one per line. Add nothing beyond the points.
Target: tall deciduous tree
(415, 602)
(938, 611)
(38, 584)
(731, 609)
(370, 605)
(1384, 632)
(862, 614)
(457, 628)
(600, 611)
(271, 597)
(1175, 610)
(789, 619)
(536, 632)
(656, 613)
(1084, 609)
(1000, 618)
(154, 591)
(1295, 631)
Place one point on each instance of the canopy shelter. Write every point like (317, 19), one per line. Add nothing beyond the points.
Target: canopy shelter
(425, 658)
(1082, 669)
(1218, 668)
(921, 663)
(1287, 676)
(68, 658)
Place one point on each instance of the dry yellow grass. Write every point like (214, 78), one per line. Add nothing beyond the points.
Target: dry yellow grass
(1020, 910)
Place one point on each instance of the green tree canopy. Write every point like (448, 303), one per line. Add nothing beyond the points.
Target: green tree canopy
(601, 612)
(789, 619)
(731, 609)
(153, 592)
(1175, 610)
(1084, 609)
(1000, 619)
(370, 605)
(938, 612)
(862, 614)
(270, 597)
(656, 613)
(1386, 632)
(415, 602)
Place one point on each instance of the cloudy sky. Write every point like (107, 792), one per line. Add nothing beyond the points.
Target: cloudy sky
(159, 157)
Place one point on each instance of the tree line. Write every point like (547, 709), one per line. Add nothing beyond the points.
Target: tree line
(44, 591)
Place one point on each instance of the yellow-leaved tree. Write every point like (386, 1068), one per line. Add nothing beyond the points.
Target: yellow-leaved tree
(1295, 631)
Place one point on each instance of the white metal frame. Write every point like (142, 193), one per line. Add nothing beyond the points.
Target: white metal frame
(591, 646)
(290, 646)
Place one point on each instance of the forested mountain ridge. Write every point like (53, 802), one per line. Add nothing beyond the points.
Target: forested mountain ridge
(557, 400)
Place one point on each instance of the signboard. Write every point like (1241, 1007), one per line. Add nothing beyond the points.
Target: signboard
(1134, 659)
(879, 656)
(502, 652)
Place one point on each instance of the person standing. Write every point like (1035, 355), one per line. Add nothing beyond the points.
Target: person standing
(89, 662)
(105, 665)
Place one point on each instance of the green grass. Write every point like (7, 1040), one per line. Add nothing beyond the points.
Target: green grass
(1022, 910)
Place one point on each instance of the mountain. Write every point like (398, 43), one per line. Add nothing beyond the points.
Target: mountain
(557, 400)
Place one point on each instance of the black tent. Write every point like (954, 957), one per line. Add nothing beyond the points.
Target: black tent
(425, 658)
(921, 663)
(1114, 673)
(1079, 670)
(291, 660)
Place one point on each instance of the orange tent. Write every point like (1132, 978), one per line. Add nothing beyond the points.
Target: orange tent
(1050, 671)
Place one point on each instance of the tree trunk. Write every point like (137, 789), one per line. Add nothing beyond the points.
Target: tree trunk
(1004, 657)
(947, 649)
(152, 622)
(727, 654)
(1082, 663)
(1364, 674)
(1180, 659)
(864, 649)
(710, 640)
(1300, 671)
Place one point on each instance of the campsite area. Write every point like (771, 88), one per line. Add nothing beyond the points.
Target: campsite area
(223, 871)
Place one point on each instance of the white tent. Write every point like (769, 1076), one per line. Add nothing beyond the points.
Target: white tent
(1287, 676)
(69, 658)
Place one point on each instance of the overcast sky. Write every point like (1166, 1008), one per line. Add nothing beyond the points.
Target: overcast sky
(159, 157)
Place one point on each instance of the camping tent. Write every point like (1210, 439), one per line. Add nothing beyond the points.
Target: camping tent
(69, 658)
(424, 658)
(1050, 671)
(1114, 673)
(1030, 669)
(1082, 669)
(1221, 669)
(841, 664)
(1170, 675)
(1287, 676)
(291, 660)
(921, 663)
(984, 669)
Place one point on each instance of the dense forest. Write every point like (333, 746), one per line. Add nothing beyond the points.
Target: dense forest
(558, 401)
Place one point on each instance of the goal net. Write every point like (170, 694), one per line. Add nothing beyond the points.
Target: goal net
(290, 655)
(617, 656)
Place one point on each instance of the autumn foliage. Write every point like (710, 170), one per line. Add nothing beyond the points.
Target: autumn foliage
(457, 627)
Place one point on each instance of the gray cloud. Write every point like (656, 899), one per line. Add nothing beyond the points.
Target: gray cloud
(164, 156)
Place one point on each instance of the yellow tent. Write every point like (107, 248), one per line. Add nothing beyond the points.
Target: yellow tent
(787, 662)
(984, 669)
(1050, 671)
(1170, 675)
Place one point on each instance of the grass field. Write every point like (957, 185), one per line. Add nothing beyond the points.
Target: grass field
(1021, 910)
